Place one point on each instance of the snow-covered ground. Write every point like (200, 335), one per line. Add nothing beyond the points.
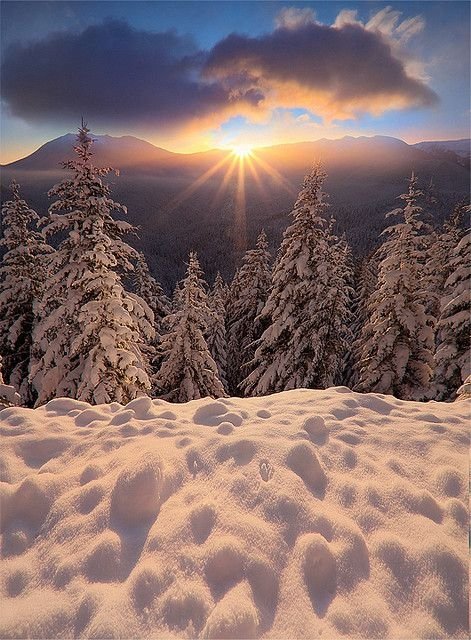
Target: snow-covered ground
(299, 515)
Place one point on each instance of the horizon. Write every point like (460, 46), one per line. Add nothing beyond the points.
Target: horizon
(234, 74)
(232, 149)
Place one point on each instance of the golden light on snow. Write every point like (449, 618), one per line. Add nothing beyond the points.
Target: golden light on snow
(261, 517)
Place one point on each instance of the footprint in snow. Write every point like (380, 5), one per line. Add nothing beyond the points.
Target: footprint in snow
(266, 470)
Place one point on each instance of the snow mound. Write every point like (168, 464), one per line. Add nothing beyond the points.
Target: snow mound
(297, 515)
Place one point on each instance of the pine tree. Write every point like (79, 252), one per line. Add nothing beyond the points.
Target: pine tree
(188, 371)
(307, 308)
(247, 297)
(216, 328)
(22, 275)
(90, 330)
(147, 287)
(342, 331)
(439, 262)
(8, 395)
(453, 355)
(398, 338)
(365, 279)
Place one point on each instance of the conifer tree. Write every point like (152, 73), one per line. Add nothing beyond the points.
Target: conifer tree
(365, 279)
(307, 308)
(23, 272)
(398, 338)
(188, 371)
(216, 329)
(8, 395)
(247, 297)
(440, 257)
(453, 355)
(147, 287)
(90, 330)
(340, 335)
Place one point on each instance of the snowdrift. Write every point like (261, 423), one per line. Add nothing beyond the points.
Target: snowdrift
(299, 515)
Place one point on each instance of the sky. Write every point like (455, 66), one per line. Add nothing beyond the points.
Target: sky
(189, 76)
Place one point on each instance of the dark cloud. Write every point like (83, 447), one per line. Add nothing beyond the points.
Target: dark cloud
(113, 72)
(348, 65)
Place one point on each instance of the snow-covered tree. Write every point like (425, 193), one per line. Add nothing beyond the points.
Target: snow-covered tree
(364, 284)
(453, 354)
(90, 331)
(398, 338)
(8, 395)
(23, 272)
(216, 327)
(188, 371)
(307, 308)
(147, 287)
(440, 255)
(247, 297)
(464, 392)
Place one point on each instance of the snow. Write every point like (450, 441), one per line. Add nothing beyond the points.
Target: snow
(298, 515)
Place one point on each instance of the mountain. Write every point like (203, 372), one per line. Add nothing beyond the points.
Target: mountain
(460, 147)
(122, 151)
(212, 202)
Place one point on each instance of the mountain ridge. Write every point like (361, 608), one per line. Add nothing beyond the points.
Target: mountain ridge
(99, 139)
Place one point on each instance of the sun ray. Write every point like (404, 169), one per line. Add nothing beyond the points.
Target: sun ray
(257, 180)
(280, 179)
(223, 186)
(235, 167)
(240, 214)
(194, 186)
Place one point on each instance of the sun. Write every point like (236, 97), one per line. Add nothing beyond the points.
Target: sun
(242, 151)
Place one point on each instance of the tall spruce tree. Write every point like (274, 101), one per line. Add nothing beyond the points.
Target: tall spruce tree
(307, 308)
(188, 371)
(216, 327)
(147, 287)
(90, 330)
(23, 272)
(247, 297)
(453, 354)
(365, 280)
(440, 257)
(398, 338)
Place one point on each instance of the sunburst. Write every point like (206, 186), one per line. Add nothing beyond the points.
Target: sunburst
(242, 151)
(233, 168)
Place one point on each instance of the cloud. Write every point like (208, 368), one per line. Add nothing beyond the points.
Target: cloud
(112, 72)
(388, 24)
(346, 16)
(337, 71)
(115, 74)
(293, 18)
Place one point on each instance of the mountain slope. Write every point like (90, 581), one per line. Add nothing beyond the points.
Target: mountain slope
(119, 151)
(460, 147)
